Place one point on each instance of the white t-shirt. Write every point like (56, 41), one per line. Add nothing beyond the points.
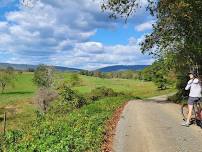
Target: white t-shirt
(195, 88)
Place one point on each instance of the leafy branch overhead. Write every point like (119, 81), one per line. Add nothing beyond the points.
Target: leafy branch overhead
(176, 35)
(177, 29)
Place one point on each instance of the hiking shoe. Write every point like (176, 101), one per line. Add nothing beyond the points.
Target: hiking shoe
(186, 124)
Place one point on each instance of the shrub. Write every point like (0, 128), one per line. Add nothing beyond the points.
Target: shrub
(75, 80)
(101, 92)
(70, 97)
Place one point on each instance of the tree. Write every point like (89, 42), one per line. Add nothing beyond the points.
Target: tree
(30, 70)
(159, 74)
(43, 76)
(123, 8)
(177, 29)
(6, 78)
(98, 74)
(176, 34)
(10, 69)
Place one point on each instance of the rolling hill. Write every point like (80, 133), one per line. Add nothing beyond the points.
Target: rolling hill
(25, 67)
(114, 68)
(117, 68)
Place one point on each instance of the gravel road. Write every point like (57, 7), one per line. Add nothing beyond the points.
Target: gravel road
(154, 126)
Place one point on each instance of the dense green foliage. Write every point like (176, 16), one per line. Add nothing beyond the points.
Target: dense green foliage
(159, 74)
(73, 99)
(81, 130)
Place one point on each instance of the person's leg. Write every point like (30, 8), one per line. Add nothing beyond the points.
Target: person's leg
(190, 108)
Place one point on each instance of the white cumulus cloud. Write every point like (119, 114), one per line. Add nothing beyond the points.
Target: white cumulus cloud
(58, 32)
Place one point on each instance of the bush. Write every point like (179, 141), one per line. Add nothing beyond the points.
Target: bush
(101, 92)
(75, 80)
(73, 99)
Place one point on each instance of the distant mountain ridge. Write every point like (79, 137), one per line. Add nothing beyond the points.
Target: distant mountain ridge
(114, 68)
(25, 67)
(117, 68)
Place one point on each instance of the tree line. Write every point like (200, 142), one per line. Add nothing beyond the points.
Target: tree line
(45, 77)
(128, 74)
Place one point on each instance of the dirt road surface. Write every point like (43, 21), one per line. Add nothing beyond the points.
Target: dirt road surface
(154, 126)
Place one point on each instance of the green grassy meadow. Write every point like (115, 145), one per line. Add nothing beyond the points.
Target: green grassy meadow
(135, 87)
(23, 88)
(18, 100)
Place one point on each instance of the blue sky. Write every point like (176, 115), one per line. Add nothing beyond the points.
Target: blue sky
(70, 33)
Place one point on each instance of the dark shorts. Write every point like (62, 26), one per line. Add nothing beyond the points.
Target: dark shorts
(191, 100)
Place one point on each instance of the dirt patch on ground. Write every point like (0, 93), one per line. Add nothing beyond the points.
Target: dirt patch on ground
(110, 129)
(15, 108)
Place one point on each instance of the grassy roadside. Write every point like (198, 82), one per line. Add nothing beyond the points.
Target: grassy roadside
(81, 130)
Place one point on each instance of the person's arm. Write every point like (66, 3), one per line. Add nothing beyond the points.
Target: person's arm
(188, 85)
(195, 81)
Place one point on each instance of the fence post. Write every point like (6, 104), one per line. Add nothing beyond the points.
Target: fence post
(4, 124)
